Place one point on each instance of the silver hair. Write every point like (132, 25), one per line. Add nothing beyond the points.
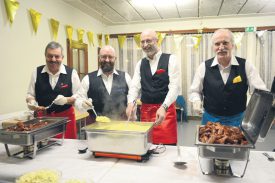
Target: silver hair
(224, 30)
(53, 45)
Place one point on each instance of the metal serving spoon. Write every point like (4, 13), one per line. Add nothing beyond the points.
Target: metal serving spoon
(179, 161)
(49, 105)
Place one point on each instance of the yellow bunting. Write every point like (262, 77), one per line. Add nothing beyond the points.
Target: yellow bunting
(121, 40)
(69, 30)
(160, 36)
(54, 26)
(90, 36)
(36, 17)
(80, 33)
(11, 8)
(137, 39)
(107, 39)
(99, 39)
(238, 36)
(196, 41)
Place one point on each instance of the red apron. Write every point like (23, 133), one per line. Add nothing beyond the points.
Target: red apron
(166, 132)
(71, 129)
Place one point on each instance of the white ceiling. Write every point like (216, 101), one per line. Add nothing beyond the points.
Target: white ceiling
(116, 12)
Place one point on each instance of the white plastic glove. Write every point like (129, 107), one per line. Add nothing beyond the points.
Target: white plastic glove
(197, 107)
(32, 105)
(87, 104)
(60, 100)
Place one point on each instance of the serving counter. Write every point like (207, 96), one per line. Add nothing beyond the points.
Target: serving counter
(160, 168)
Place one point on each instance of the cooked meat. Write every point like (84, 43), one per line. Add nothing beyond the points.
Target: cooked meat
(215, 133)
(20, 126)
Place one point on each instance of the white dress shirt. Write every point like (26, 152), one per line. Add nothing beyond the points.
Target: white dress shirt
(107, 80)
(253, 77)
(53, 78)
(173, 73)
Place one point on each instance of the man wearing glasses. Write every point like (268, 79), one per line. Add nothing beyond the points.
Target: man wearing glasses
(156, 77)
(53, 87)
(106, 89)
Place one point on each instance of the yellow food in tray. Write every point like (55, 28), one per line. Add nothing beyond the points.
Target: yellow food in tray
(103, 119)
(121, 126)
(41, 176)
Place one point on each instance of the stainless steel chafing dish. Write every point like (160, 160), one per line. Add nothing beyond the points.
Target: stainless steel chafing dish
(258, 119)
(121, 137)
(34, 140)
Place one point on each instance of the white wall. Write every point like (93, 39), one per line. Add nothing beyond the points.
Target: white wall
(221, 22)
(22, 50)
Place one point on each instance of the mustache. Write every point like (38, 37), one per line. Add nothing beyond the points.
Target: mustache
(54, 63)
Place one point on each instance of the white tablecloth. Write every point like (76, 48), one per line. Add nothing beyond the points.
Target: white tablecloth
(160, 168)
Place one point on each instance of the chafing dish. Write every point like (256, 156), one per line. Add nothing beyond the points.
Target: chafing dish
(29, 140)
(258, 119)
(121, 137)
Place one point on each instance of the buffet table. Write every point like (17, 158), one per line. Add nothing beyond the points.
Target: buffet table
(160, 168)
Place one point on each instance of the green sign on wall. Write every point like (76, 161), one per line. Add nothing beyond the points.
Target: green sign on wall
(250, 29)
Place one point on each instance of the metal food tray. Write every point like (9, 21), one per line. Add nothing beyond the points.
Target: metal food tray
(257, 121)
(222, 151)
(120, 142)
(56, 126)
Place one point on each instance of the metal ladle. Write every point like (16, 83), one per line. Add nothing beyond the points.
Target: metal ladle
(179, 161)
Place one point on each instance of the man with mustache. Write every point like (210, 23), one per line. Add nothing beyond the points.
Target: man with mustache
(156, 78)
(222, 83)
(54, 85)
(106, 89)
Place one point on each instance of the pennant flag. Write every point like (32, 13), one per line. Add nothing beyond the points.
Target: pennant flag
(160, 36)
(80, 33)
(121, 40)
(36, 17)
(11, 8)
(238, 36)
(54, 26)
(90, 36)
(196, 41)
(99, 39)
(137, 39)
(177, 40)
(107, 39)
(69, 31)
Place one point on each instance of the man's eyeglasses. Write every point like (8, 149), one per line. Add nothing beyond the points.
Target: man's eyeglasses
(148, 41)
(54, 56)
(107, 56)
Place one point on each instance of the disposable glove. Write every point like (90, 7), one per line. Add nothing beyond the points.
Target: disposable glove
(87, 104)
(32, 105)
(60, 100)
(197, 107)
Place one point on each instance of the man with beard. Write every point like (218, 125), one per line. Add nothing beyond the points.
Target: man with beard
(54, 85)
(222, 83)
(156, 77)
(106, 89)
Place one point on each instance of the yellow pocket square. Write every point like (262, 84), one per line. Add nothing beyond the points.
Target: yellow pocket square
(237, 79)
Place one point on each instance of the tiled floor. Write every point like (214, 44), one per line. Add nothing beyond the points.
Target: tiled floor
(188, 130)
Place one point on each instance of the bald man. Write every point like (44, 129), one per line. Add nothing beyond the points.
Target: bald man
(105, 89)
(156, 77)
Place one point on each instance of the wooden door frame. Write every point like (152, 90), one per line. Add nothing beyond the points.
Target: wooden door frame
(79, 46)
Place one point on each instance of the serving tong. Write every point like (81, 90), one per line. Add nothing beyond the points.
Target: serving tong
(270, 158)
